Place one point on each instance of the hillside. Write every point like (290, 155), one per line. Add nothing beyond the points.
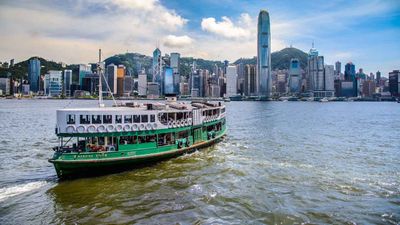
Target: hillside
(280, 59)
(20, 70)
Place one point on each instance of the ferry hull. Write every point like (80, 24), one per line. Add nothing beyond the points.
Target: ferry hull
(82, 168)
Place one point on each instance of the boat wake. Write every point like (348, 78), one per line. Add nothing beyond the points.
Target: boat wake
(11, 191)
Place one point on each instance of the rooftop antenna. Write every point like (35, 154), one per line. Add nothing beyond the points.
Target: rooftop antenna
(313, 44)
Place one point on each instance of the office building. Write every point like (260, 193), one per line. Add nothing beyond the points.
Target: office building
(34, 75)
(67, 79)
(329, 76)
(338, 70)
(394, 83)
(53, 83)
(5, 86)
(195, 84)
(142, 83)
(250, 80)
(349, 72)
(83, 71)
(294, 76)
(263, 78)
(174, 64)
(169, 86)
(184, 89)
(231, 81)
(378, 77)
(111, 77)
(368, 88)
(157, 67)
(90, 83)
(153, 90)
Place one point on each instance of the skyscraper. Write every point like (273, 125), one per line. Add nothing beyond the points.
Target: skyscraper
(231, 81)
(338, 70)
(169, 86)
(294, 76)
(349, 72)
(67, 82)
(34, 74)
(329, 78)
(175, 67)
(250, 80)
(111, 79)
(263, 78)
(157, 66)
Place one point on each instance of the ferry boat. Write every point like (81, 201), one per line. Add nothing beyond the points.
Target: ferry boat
(106, 139)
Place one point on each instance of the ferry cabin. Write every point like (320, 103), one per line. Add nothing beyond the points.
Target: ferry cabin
(135, 130)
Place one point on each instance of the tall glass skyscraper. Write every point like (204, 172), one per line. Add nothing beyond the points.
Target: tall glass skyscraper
(34, 75)
(263, 54)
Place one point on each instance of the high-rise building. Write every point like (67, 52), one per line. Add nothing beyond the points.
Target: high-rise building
(315, 70)
(142, 83)
(34, 75)
(263, 78)
(157, 67)
(349, 72)
(5, 86)
(338, 70)
(378, 77)
(67, 79)
(250, 80)
(112, 79)
(294, 76)
(169, 81)
(195, 83)
(153, 90)
(53, 83)
(368, 88)
(329, 78)
(231, 81)
(394, 83)
(83, 71)
(174, 63)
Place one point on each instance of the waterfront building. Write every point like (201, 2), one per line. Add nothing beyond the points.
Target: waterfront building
(90, 83)
(231, 81)
(169, 86)
(195, 84)
(344, 88)
(174, 63)
(53, 83)
(153, 90)
(338, 70)
(368, 88)
(294, 76)
(329, 77)
(111, 77)
(263, 78)
(349, 71)
(67, 81)
(184, 88)
(128, 85)
(157, 67)
(5, 86)
(34, 75)
(394, 83)
(142, 83)
(205, 83)
(250, 80)
(83, 71)
(378, 77)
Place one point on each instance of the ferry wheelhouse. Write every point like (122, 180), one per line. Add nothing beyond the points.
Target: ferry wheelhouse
(103, 139)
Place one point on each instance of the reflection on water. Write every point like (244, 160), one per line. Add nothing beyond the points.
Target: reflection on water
(293, 162)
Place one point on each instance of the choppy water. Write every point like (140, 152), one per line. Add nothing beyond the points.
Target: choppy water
(281, 163)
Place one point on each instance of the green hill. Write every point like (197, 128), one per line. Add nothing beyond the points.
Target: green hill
(280, 59)
(20, 70)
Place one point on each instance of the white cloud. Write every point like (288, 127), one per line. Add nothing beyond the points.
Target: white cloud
(226, 28)
(173, 41)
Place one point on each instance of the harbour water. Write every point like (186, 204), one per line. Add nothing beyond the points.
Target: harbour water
(281, 163)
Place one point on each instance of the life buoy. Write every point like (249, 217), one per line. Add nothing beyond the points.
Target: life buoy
(134, 127)
(101, 128)
(70, 129)
(118, 128)
(141, 127)
(154, 126)
(169, 124)
(91, 129)
(180, 144)
(187, 142)
(110, 128)
(80, 129)
(127, 127)
(148, 126)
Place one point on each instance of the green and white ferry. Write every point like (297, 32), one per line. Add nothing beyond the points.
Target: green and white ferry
(105, 139)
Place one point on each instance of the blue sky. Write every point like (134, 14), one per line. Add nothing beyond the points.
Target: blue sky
(364, 32)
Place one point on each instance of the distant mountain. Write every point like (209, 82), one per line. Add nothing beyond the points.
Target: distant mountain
(280, 59)
(20, 70)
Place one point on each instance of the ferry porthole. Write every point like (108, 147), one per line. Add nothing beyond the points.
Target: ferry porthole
(141, 127)
(154, 126)
(80, 129)
(70, 129)
(148, 127)
(101, 128)
(134, 127)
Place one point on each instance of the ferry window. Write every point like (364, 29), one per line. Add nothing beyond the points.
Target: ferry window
(183, 134)
(101, 140)
(107, 118)
(127, 119)
(166, 139)
(146, 139)
(136, 118)
(118, 119)
(127, 140)
(179, 116)
(152, 118)
(84, 119)
(96, 119)
(145, 118)
(222, 110)
(162, 117)
(70, 119)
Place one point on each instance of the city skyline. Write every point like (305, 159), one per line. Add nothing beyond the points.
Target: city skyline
(365, 36)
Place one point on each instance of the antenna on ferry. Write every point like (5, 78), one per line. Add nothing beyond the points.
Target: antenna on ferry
(101, 104)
